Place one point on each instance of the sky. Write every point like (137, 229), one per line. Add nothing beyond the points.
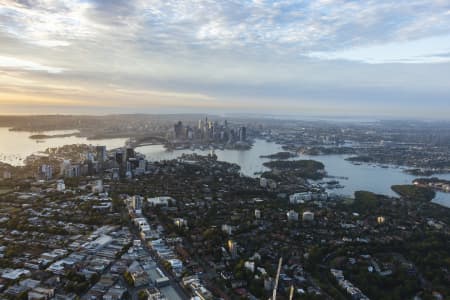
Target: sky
(324, 57)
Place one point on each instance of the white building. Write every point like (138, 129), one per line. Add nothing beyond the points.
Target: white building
(308, 216)
(15, 274)
(99, 243)
(250, 265)
(176, 264)
(97, 187)
(257, 214)
(228, 229)
(300, 197)
(160, 201)
(60, 186)
(292, 215)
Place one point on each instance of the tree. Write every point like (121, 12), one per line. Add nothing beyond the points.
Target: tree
(142, 295)
(412, 192)
(94, 278)
(128, 278)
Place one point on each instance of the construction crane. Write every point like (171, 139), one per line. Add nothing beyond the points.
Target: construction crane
(275, 288)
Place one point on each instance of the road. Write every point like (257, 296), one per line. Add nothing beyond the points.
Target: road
(172, 291)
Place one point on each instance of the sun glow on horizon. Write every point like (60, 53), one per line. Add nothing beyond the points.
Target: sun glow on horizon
(338, 57)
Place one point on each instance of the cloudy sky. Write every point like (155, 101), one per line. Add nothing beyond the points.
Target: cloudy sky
(322, 57)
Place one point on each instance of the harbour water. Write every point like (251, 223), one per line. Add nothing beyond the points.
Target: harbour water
(358, 177)
(16, 146)
(249, 160)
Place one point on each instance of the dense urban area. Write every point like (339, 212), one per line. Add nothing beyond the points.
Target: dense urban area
(87, 222)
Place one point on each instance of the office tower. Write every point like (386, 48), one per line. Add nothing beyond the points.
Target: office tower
(242, 134)
(46, 172)
(119, 157)
(129, 153)
(101, 154)
(178, 128)
(136, 203)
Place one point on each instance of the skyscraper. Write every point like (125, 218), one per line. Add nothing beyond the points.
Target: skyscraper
(46, 172)
(129, 153)
(101, 154)
(178, 129)
(119, 157)
(242, 134)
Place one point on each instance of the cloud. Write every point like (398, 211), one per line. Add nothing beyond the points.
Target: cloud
(46, 23)
(164, 94)
(282, 27)
(21, 64)
(428, 50)
(25, 100)
(231, 54)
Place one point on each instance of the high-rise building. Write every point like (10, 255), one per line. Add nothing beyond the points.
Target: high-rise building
(130, 153)
(70, 170)
(46, 172)
(178, 129)
(136, 203)
(90, 157)
(74, 171)
(64, 166)
(119, 157)
(189, 133)
(142, 164)
(242, 134)
(101, 154)
(128, 172)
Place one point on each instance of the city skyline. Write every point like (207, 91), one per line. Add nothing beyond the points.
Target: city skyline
(336, 58)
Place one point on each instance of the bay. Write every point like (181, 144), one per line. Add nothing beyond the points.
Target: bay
(358, 177)
(15, 146)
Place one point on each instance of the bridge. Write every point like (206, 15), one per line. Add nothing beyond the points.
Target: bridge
(147, 140)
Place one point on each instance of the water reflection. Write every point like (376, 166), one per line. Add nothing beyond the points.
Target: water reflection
(250, 160)
(360, 177)
(15, 146)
